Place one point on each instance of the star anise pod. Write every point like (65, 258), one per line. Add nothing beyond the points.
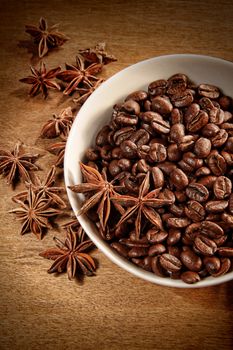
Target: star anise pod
(70, 256)
(58, 149)
(144, 204)
(100, 190)
(75, 75)
(97, 54)
(42, 80)
(46, 38)
(34, 213)
(59, 124)
(46, 188)
(16, 164)
(85, 92)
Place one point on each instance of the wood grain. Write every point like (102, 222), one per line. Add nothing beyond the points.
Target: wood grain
(113, 310)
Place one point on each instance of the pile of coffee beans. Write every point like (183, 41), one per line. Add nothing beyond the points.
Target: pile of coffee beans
(182, 134)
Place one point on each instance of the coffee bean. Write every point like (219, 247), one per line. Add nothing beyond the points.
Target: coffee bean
(225, 267)
(191, 112)
(157, 153)
(170, 262)
(190, 277)
(137, 96)
(197, 122)
(129, 149)
(176, 84)
(179, 179)
(131, 107)
(123, 118)
(145, 263)
(160, 125)
(210, 130)
(191, 260)
(208, 90)
(225, 252)
(212, 264)
(220, 138)
(178, 222)
(207, 181)
(182, 99)
(177, 132)
(217, 163)
(157, 87)
(157, 268)
(186, 143)
(161, 105)
(156, 249)
(177, 209)
(158, 177)
(195, 211)
(203, 171)
(228, 157)
(205, 245)
(173, 153)
(228, 218)
(216, 206)
(156, 236)
(137, 252)
(225, 102)
(102, 136)
(211, 229)
(167, 167)
(229, 144)
(174, 235)
(120, 248)
(197, 192)
(176, 116)
(202, 147)
(222, 187)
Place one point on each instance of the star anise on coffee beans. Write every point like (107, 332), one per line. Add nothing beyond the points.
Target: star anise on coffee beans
(145, 204)
(34, 212)
(16, 164)
(42, 80)
(86, 91)
(59, 124)
(97, 54)
(75, 75)
(100, 190)
(46, 188)
(71, 255)
(58, 149)
(46, 38)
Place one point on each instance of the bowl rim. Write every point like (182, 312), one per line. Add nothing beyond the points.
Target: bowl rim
(97, 240)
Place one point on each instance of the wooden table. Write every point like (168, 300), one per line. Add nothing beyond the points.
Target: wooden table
(113, 310)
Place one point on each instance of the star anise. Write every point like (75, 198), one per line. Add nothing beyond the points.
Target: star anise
(58, 149)
(97, 54)
(46, 188)
(75, 75)
(34, 213)
(15, 164)
(70, 256)
(100, 190)
(85, 92)
(144, 204)
(59, 124)
(46, 38)
(41, 80)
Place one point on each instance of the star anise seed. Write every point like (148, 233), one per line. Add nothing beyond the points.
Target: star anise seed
(85, 92)
(59, 124)
(97, 54)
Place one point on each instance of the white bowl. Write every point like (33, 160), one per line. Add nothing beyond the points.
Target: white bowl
(97, 111)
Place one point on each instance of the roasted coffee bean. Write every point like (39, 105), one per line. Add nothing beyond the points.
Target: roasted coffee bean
(174, 250)
(161, 105)
(207, 181)
(230, 206)
(157, 152)
(167, 167)
(191, 112)
(137, 252)
(131, 107)
(129, 149)
(211, 229)
(123, 118)
(217, 116)
(228, 218)
(210, 130)
(212, 264)
(225, 102)
(138, 96)
(102, 136)
(228, 157)
(208, 90)
(222, 187)
(217, 163)
(120, 248)
(177, 132)
(173, 153)
(191, 260)
(157, 87)
(225, 252)
(195, 211)
(122, 134)
(170, 262)
(219, 139)
(138, 243)
(176, 116)
(160, 126)
(106, 152)
(140, 137)
(177, 83)
(156, 249)
(145, 263)
(180, 196)
(178, 222)
(216, 206)
(197, 192)
(190, 277)
(174, 236)
(228, 116)
(156, 236)
(186, 143)
(116, 153)
(92, 154)
(198, 122)
(157, 268)
(179, 179)
(205, 245)
(229, 144)
(220, 240)
(203, 171)
(182, 99)
(202, 147)
(114, 168)
(177, 209)
(225, 267)
(158, 177)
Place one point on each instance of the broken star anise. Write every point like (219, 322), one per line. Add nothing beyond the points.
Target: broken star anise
(85, 92)
(15, 164)
(75, 75)
(46, 188)
(35, 213)
(71, 256)
(46, 38)
(58, 149)
(97, 54)
(59, 124)
(145, 204)
(42, 80)
(101, 192)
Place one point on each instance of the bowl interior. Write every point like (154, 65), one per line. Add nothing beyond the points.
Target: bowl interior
(97, 111)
